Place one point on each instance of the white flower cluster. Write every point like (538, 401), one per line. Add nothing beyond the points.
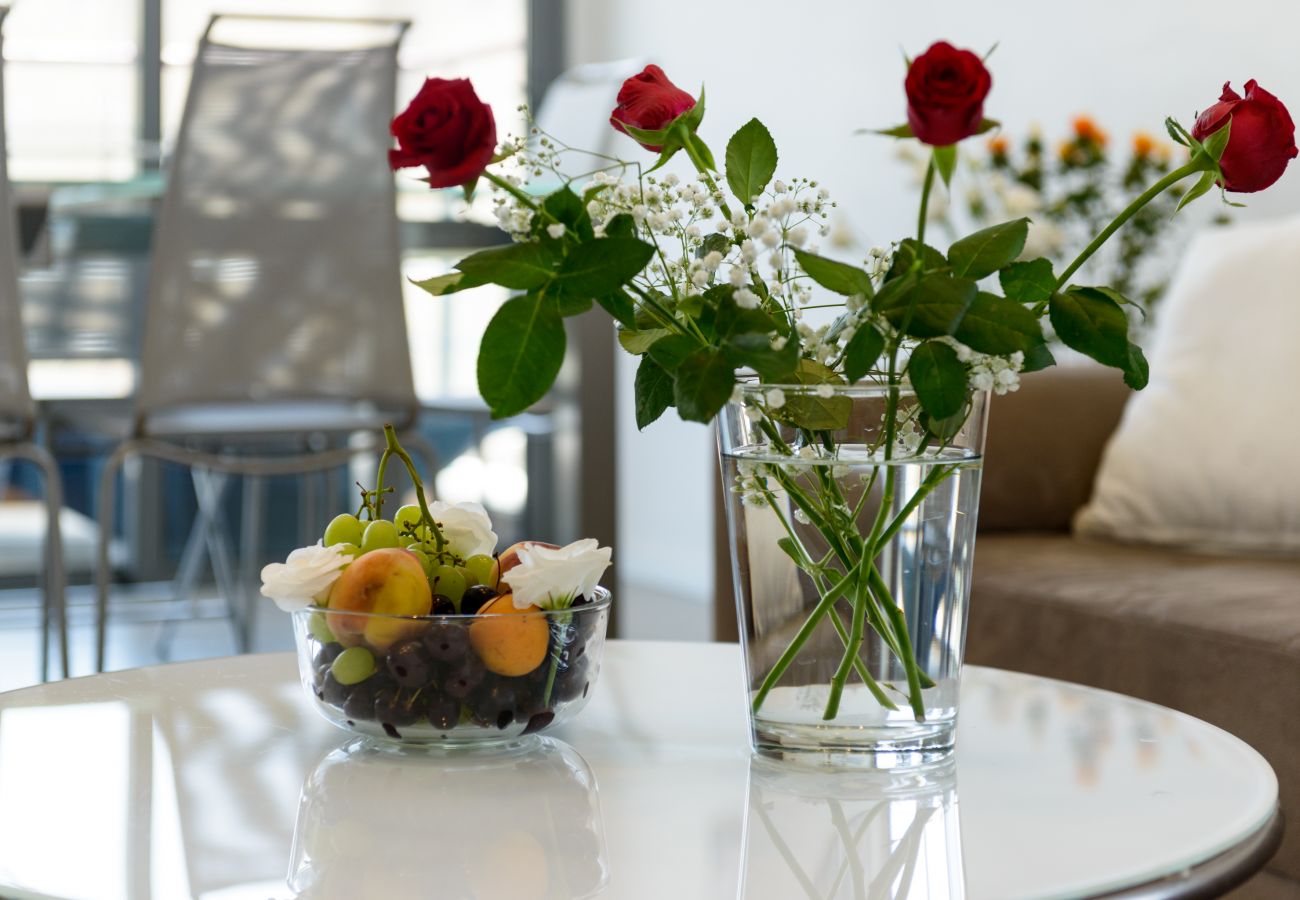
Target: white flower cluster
(999, 374)
(751, 483)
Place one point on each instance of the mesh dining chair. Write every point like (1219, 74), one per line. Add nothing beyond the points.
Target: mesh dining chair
(274, 310)
(18, 413)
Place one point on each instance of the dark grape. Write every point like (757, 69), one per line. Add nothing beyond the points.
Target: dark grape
(580, 600)
(394, 706)
(332, 691)
(442, 606)
(463, 679)
(409, 664)
(360, 703)
(328, 653)
(539, 721)
(495, 704)
(444, 712)
(447, 643)
(571, 683)
(475, 597)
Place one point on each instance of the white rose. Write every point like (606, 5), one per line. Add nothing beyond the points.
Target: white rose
(306, 575)
(552, 577)
(465, 526)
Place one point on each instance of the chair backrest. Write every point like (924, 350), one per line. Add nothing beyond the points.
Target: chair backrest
(15, 399)
(276, 258)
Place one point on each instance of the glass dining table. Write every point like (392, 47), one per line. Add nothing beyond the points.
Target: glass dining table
(217, 779)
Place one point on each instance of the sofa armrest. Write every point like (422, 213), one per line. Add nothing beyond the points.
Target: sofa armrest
(1044, 445)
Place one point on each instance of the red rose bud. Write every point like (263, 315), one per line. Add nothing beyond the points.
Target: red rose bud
(1262, 140)
(946, 88)
(649, 101)
(448, 130)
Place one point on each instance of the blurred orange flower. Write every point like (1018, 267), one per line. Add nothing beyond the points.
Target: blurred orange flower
(1085, 129)
(1143, 144)
(998, 145)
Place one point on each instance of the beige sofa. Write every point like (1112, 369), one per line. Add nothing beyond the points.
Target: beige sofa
(1216, 637)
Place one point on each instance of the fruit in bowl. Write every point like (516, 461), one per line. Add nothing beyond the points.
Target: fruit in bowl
(412, 629)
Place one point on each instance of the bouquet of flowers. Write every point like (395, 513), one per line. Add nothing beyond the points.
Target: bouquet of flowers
(716, 282)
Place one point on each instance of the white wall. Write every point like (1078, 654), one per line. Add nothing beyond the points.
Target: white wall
(815, 70)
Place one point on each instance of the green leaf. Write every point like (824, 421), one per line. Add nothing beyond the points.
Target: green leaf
(702, 151)
(999, 326)
(1031, 281)
(1177, 133)
(807, 410)
(653, 390)
(711, 243)
(751, 161)
(703, 385)
(862, 351)
(1137, 373)
(945, 161)
(638, 342)
(441, 285)
(987, 125)
(898, 131)
(522, 349)
(573, 305)
(622, 225)
(835, 276)
(1216, 143)
(669, 352)
(619, 305)
(939, 378)
(564, 206)
(1093, 324)
(988, 249)
(905, 258)
(754, 349)
(934, 306)
(599, 267)
(1038, 358)
(518, 266)
(1198, 190)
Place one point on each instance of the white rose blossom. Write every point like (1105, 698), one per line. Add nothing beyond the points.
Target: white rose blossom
(466, 527)
(553, 577)
(305, 577)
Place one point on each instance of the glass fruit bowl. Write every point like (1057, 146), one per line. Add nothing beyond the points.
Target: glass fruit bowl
(451, 679)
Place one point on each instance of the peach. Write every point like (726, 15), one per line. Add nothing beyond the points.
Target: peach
(509, 559)
(390, 581)
(508, 644)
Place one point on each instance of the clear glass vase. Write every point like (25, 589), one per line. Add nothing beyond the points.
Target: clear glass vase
(852, 525)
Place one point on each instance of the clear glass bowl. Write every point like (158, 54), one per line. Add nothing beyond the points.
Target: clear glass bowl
(453, 679)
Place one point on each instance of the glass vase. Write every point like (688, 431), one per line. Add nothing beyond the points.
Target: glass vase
(851, 517)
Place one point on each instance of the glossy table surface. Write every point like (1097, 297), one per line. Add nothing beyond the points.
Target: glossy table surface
(218, 780)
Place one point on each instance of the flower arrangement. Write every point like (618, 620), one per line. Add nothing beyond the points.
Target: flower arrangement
(416, 623)
(716, 282)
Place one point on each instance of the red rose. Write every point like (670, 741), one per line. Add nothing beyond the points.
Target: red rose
(649, 101)
(1262, 140)
(946, 88)
(448, 130)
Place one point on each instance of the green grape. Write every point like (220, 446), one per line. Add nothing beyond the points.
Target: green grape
(410, 518)
(425, 562)
(480, 567)
(343, 529)
(353, 665)
(320, 629)
(450, 582)
(348, 548)
(379, 534)
(405, 540)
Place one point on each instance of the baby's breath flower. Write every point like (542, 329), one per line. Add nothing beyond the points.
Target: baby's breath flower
(745, 298)
(825, 391)
(556, 231)
(775, 398)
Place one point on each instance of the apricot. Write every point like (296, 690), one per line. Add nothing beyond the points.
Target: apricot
(390, 581)
(509, 644)
(508, 560)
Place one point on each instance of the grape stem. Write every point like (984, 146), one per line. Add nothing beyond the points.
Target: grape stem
(395, 449)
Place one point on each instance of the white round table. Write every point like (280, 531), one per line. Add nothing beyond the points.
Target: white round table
(218, 780)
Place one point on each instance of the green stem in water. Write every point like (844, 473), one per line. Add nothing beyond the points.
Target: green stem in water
(562, 622)
(396, 449)
(886, 600)
(1199, 163)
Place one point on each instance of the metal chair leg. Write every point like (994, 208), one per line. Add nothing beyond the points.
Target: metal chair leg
(56, 601)
(250, 538)
(103, 572)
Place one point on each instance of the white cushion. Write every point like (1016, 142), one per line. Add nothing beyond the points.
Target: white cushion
(1208, 456)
